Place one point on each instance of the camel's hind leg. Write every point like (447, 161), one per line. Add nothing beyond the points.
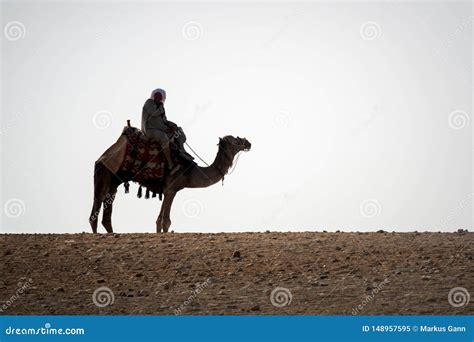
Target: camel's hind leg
(163, 221)
(108, 205)
(102, 182)
(93, 218)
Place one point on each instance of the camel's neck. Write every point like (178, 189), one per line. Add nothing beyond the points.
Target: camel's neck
(202, 177)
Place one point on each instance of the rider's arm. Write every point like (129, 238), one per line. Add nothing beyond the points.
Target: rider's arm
(150, 109)
(144, 120)
(161, 109)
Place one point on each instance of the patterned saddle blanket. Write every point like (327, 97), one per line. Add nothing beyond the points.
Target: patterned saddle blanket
(145, 162)
(144, 159)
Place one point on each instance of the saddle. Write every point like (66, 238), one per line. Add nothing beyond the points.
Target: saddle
(145, 162)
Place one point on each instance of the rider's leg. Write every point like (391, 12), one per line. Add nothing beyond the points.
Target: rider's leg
(180, 138)
(164, 141)
(167, 152)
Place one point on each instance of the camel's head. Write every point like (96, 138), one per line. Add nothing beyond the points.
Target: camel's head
(235, 144)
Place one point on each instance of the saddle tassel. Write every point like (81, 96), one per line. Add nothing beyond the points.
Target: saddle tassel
(126, 185)
(147, 194)
(139, 194)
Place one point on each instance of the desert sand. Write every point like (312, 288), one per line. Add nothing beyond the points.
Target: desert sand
(236, 273)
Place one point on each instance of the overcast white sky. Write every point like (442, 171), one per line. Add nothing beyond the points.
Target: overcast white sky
(359, 114)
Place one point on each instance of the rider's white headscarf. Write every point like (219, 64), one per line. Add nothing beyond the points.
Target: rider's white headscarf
(158, 90)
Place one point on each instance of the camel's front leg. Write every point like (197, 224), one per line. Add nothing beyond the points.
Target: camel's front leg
(163, 221)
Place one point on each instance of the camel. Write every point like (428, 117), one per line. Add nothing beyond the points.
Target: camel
(107, 179)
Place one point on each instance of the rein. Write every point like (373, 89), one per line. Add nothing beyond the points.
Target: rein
(227, 155)
(194, 152)
(235, 163)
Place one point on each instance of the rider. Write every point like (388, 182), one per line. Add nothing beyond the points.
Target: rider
(155, 125)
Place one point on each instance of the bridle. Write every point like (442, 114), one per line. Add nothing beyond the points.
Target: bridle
(228, 155)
